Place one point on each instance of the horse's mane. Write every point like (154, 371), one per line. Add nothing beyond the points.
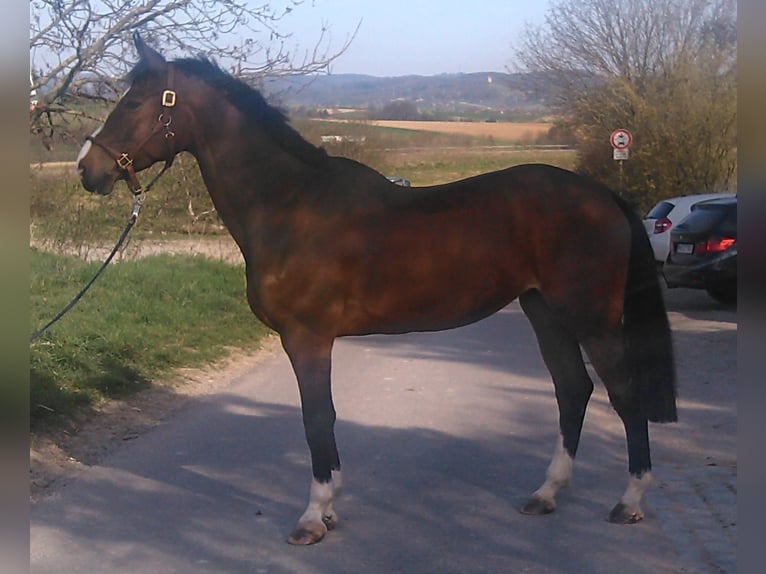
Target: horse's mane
(250, 102)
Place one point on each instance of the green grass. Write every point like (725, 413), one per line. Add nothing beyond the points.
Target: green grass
(432, 167)
(140, 320)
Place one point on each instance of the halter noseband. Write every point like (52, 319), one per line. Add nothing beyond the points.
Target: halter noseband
(125, 160)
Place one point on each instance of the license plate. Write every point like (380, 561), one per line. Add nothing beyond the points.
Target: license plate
(685, 248)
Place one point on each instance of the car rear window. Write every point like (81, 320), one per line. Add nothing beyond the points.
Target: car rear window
(702, 217)
(660, 210)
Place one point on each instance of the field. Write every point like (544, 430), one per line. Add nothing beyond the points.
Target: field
(429, 153)
(513, 132)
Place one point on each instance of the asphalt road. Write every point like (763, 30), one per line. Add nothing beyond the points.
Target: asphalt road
(442, 437)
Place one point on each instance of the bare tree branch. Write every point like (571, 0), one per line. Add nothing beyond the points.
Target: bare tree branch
(82, 48)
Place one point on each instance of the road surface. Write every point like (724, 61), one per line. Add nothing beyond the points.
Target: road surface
(442, 437)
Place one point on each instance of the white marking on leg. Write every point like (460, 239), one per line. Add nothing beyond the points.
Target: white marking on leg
(558, 475)
(321, 498)
(637, 486)
(337, 486)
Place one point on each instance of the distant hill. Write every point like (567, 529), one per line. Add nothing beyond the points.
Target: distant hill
(487, 92)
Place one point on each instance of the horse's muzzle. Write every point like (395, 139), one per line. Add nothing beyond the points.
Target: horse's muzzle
(102, 184)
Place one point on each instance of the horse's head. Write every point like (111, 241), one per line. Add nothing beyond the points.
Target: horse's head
(138, 132)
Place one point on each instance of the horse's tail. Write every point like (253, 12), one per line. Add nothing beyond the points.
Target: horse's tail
(648, 341)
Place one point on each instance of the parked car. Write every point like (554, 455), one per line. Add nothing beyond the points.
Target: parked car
(703, 250)
(403, 181)
(661, 218)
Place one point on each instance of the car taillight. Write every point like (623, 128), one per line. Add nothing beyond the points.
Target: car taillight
(662, 224)
(714, 245)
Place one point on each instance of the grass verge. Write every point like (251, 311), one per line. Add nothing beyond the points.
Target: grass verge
(142, 319)
(432, 167)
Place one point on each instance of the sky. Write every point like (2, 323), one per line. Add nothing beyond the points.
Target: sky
(422, 37)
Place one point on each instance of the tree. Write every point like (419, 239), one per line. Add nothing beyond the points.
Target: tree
(80, 48)
(664, 69)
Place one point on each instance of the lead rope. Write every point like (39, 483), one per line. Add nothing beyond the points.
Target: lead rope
(139, 195)
(125, 162)
(131, 222)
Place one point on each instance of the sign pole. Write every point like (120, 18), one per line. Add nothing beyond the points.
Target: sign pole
(621, 140)
(621, 174)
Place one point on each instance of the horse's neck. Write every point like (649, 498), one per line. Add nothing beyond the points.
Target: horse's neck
(244, 173)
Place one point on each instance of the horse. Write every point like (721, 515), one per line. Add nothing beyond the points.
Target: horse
(333, 249)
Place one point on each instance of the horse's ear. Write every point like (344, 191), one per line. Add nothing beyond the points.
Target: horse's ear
(148, 54)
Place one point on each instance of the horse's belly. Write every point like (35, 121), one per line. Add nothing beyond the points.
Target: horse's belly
(432, 302)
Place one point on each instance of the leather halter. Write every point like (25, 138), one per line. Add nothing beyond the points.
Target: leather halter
(125, 160)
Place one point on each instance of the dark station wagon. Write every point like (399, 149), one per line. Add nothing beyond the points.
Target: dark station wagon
(703, 250)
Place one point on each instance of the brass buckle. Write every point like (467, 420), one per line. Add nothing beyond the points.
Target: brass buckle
(168, 98)
(124, 161)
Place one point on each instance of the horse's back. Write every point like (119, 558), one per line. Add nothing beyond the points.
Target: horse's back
(436, 257)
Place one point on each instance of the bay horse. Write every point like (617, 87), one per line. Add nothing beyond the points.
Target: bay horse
(333, 249)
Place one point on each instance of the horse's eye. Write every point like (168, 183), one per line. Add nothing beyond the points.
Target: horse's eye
(132, 104)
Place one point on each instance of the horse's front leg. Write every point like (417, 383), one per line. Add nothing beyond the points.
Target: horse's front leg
(311, 358)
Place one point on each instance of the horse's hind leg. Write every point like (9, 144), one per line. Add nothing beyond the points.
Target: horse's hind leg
(561, 353)
(607, 354)
(311, 358)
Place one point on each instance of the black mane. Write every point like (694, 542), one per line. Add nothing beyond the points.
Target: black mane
(247, 100)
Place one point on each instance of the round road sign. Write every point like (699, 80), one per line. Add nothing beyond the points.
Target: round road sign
(621, 139)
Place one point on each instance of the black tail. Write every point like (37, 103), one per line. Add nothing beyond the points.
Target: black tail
(648, 341)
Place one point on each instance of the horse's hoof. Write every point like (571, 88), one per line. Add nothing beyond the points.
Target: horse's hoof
(307, 533)
(623, 514)
(538, 506)
(330, 521)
